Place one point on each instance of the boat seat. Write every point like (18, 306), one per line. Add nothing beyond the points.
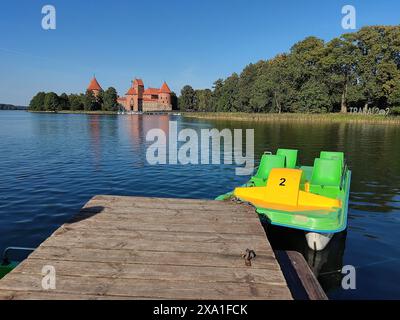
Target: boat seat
(290, 155)
(326, 176)
(283, 191)
(332, 155)
(267, 163)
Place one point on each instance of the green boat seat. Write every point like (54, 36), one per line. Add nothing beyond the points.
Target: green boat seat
(332, 155)
(327, 172)
(290, 155)
(267, 163)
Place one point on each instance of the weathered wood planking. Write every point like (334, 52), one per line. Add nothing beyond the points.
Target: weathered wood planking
(153, 248)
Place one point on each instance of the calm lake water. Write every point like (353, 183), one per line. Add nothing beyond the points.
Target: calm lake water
(51, 165)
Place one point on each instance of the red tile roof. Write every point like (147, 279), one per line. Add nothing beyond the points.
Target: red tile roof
(131, 91)
(94, 85)
(154, 91)
(165, 88)
(138, 82)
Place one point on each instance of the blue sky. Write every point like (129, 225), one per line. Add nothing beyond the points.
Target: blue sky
(179, 41)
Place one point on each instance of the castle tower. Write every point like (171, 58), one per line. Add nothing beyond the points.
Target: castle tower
(94, 87)
(129, 99)
(164, 97)
(138, 98)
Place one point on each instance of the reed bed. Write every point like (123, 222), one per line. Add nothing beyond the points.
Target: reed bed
(296, 117)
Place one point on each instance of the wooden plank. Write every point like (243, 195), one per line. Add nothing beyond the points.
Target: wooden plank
(161, 203)
(246, 228)
(151, 257)
(37, 295)
(168, 218)
(300, 278)
(147, 288)
(145, 244)
(153, 272)
(156, 202)
(134, 247)
(162, 235)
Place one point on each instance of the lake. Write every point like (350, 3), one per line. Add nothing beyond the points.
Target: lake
(52, 164)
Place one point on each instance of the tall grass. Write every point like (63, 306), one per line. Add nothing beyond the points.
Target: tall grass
(307, 117)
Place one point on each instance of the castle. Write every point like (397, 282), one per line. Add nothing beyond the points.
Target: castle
(138, 98)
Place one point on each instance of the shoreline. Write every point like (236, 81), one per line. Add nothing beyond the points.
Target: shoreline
(98, 112)
(295, 117)
(263, 117)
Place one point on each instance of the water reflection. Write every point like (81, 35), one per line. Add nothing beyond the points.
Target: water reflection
(51, 165)
(95, 143)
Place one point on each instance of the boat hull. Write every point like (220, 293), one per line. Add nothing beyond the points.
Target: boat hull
(318, 241)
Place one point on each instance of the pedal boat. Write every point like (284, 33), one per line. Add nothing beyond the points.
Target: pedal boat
(310, 198)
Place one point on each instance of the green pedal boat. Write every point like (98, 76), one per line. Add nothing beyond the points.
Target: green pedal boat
(310, 198)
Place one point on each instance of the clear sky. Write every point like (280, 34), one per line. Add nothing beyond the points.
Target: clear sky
(179, 41)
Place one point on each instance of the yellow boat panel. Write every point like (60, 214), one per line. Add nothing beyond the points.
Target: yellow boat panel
(282, 192)
(315, 200)
(283, 186)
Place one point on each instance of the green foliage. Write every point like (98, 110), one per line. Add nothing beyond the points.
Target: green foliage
(360, 69)
(76, 102)
(64, 103)
(188, 100)
(52, 102)
(174, 101)
(37, 102)
(395, 111)
(204, 100)
(108, 100)
(90, 102)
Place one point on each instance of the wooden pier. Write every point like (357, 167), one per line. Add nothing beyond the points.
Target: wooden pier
(153, 248)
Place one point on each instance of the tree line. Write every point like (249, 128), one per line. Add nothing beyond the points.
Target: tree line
(11, 107)
(356, 70)
(50, 101)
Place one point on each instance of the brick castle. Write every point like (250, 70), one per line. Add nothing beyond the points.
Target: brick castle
(138, 98)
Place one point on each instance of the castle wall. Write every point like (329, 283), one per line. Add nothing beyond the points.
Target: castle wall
(155, 106)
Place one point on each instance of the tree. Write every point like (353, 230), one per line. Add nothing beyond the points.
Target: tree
(339, 68)
(226, 94)
(90, 103)
(37, 102)
(109, 100)
(204, 100)
(76, 102)
(174, 101)
(187, 100)
(314, 98)
(64, 102)
(245, 85)
(52, 102)
(378, 64)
